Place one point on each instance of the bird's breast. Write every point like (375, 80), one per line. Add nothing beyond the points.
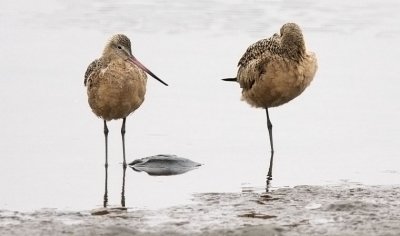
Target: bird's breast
(117, 90)
(275, 80)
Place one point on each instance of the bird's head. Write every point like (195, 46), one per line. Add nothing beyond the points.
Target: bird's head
(292, 40)
(119, 47)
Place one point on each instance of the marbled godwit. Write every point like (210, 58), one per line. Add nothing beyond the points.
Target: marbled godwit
(275, 70)
(116, 86)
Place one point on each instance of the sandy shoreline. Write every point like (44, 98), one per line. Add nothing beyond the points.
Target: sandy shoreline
(302, 210)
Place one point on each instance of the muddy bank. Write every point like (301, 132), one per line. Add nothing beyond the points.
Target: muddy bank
(302, 210)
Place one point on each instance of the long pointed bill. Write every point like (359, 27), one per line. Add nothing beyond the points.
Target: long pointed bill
(230, 79)
(141, 66)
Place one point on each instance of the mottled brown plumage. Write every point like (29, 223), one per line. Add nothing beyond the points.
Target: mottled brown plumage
(274, 71)
(116, 86)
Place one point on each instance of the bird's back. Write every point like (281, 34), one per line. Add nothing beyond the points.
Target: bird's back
(270, 76)
(270, 45)
(95, 65)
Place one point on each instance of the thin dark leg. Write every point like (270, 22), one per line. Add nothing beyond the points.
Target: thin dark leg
(123, 188)
(123, 140)
(106, 166)
(124, 164)
(269, 124)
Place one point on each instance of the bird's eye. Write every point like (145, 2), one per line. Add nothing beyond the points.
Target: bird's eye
(119, 47)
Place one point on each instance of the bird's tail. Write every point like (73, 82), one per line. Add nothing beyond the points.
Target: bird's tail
(230, 79)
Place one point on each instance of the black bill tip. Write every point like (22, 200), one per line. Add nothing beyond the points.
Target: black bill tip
(230, 79)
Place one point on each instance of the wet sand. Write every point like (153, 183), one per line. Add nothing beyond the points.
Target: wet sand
(347, 209)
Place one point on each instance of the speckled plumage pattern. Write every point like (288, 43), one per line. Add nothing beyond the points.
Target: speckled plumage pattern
(273, 71)
(257, 49)
(95, 65)
(115, 87)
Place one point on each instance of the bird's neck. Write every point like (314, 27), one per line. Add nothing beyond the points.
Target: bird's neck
(110, 58)
(294, 47)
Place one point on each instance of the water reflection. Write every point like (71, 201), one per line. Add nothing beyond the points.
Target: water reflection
(161, 165)
(123, 187)
(105, 198)
(105, 210)
(158, 165)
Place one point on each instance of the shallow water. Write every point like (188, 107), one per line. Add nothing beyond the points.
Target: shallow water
(345, 209)
(343, 128)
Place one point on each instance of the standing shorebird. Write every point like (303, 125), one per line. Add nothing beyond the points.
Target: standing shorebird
(116, 86)
(275, 70)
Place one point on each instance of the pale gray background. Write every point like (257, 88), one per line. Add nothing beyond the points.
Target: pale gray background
(344, 127)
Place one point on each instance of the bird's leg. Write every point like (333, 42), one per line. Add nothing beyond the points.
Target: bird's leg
(269, 124)
(123, 188)
(106, 166)
(124, 164)
(123, 141)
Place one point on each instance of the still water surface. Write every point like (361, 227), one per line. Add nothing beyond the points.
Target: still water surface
(344, 127)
